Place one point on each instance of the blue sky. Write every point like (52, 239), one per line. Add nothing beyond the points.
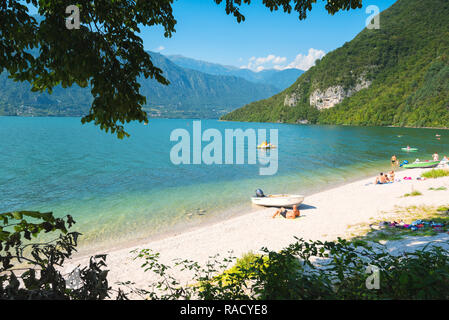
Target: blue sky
(205, 32)
(265, 40)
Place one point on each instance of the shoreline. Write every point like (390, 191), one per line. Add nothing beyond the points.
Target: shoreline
(217, 217)
(325, 216)
(343, 125)
(222, 120)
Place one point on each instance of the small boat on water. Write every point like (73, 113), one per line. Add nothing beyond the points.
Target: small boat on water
(265, 145)
(409, 149)
(276, 200)
(421, 164)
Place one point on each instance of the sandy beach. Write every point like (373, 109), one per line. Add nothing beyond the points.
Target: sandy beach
(325, 215)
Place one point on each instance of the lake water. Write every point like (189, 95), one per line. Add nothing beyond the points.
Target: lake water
(125, 190)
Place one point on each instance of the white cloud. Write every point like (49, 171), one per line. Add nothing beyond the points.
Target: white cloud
(261, 63)
(301, 61)
(159, 49)
(305, 62)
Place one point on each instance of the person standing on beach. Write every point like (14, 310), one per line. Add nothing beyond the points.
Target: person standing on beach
(394, 161)
(436, 157)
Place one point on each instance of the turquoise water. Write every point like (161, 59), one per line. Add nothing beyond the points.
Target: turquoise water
(124, 190)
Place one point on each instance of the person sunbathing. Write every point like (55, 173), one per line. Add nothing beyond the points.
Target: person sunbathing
(296, 211)
(285, 213)
(381, 179)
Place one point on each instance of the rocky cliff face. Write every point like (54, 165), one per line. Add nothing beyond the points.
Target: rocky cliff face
(328, 98)
(292, 100)
(334, 95)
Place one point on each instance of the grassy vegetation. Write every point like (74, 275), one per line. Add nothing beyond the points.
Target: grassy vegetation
(436, 173)
(438, 189)
(407, 215)
(414, 193)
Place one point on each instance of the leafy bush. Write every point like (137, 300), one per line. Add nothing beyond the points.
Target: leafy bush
(304, 270)
(31, 269)
(309, 270)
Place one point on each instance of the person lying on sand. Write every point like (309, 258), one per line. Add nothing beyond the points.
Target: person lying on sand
(296, 211)
(381, 179)
(285, 213)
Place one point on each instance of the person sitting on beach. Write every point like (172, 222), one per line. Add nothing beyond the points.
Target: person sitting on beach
(381, 179)
(436, 157)
(444, 162)
(392, 175)
(285, 213)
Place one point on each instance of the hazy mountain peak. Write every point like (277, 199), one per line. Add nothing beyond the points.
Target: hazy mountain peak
(281, 79)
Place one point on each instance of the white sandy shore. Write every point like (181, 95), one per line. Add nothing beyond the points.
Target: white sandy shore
(324, 216)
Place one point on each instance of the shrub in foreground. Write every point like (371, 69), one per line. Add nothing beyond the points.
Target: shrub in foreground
(30, 269)
(309, 270)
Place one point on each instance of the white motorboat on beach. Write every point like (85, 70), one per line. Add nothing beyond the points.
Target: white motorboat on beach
(278, 200)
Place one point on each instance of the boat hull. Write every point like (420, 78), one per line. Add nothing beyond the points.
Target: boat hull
(421, 165)
(278, 200)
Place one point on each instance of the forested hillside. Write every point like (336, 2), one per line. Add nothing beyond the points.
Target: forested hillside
(395, 75)
(190, 94)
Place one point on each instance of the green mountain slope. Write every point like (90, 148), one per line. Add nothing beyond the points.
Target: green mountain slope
(396, 75)
(190, 94)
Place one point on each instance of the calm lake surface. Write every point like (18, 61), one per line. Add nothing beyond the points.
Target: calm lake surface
(125, 190)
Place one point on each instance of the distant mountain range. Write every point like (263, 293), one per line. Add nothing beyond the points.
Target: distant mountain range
(280, 79)
(192, 93)
(395, 75)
